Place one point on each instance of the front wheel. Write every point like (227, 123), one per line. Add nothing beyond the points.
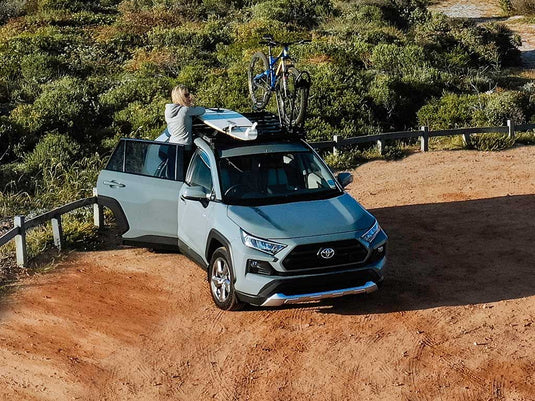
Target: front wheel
(259, 81)
(221, 279)
(291, 98)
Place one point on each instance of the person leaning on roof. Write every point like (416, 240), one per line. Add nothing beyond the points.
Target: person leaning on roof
(178, 116)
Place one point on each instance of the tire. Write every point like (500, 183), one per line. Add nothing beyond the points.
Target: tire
(259, 87)
(221, 281)
(292, 100)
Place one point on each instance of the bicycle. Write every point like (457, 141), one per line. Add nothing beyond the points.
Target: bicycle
(278, 74)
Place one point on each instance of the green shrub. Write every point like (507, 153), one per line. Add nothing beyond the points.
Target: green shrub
(66, 106)
(77, 5)
(135, 88)
(300, 13)
(39, 67)
(453, 111)
(7, 139)
(201, 38)
(491, 142)
(345, 160)
(525, 138)
(392, 152)
(506, 106)
(52, 149)
(141, 120)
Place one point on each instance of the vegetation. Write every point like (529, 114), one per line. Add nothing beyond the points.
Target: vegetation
(76, 75)
(526, 7)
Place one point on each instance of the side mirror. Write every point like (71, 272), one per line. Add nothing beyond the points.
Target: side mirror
(195, 193)
(344, 179)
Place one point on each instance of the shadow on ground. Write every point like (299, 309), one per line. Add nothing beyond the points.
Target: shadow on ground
(458, 253)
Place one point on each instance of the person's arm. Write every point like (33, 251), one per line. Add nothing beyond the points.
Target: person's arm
(195, 111)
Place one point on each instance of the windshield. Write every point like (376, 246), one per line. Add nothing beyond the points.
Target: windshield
(260, 179)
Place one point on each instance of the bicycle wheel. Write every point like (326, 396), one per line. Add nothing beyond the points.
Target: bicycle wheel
(259, 82)
(292, 98)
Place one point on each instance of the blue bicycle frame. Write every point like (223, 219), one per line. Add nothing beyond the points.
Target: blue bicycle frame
(271, 73)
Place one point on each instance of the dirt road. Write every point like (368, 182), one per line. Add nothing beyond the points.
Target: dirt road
(486, 11)
(454, 321)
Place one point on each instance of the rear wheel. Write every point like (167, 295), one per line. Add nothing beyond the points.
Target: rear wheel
(221, 279)
(292, 98)
(259, 85)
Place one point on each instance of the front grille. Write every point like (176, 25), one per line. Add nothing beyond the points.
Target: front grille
(307, 256)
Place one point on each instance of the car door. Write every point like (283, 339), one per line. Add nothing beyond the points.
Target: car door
(194, 215)
(144, 178)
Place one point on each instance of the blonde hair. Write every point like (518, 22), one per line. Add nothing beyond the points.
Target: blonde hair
(179, 95)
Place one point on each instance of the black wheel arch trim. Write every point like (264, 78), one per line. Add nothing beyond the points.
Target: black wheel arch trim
(217, 236)
(117, 210)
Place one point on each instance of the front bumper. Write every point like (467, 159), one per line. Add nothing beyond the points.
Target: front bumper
(281, 299)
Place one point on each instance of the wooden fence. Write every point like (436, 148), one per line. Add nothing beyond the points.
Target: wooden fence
(423, 134)
(21, 225)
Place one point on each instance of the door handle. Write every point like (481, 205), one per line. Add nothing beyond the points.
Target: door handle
(114, 184)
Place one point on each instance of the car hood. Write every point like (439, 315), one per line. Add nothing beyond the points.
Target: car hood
(302, 219)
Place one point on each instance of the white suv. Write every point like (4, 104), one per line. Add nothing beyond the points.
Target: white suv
(267, 219)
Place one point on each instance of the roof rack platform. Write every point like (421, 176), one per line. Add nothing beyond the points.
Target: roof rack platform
(268, 127)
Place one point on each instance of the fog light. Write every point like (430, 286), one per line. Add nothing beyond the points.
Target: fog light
(380, 249)
(260, 267)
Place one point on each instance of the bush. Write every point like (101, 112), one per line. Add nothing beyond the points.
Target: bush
(77, 5)
(453, 111)
(522, 6)
(11, 8)
(66, 106)
(525, 138)
(140, 120)
(345, 160)
(135, 88)
(299, 13)
(506, 106)
(491, 142)
(52, 150)
(39, 67)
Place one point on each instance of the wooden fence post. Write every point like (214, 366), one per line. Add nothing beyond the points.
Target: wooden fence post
(335, 149)
(57, 231)
(98, 212)
(511, 127)
(424, 139)
(20, 242)
(381, 146)
(466, 139)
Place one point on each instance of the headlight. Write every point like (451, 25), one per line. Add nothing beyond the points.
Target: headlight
(370, 235)
(261, 245)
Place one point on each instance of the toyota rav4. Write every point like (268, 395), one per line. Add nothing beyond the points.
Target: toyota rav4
(267, 219)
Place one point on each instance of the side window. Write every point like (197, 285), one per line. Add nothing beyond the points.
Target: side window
(148, 158)
(116, 159)
(199, 173)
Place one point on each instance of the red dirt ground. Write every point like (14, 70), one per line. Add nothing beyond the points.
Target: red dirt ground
(455, 319)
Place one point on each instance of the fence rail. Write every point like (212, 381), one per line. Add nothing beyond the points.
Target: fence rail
(54, 216)
(423, 134)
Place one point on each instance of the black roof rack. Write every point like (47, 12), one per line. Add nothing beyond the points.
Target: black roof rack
(268, 127)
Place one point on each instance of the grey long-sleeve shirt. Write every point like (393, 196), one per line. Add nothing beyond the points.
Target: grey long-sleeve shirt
(179, 122)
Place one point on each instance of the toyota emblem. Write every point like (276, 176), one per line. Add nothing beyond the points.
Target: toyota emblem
(326, 253)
